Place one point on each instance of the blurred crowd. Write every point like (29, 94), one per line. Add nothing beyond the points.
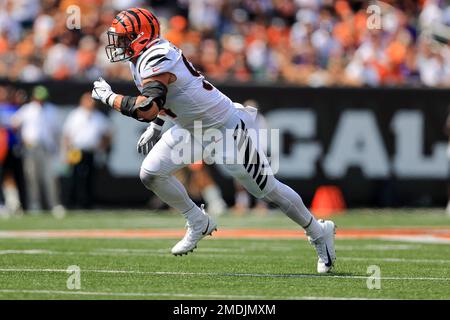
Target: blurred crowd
(33, 140)
(303, 42)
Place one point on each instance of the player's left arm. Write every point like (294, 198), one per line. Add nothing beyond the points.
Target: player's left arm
(144, 107)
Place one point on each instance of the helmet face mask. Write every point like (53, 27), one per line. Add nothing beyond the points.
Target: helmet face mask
(119, 46)
(132, 31)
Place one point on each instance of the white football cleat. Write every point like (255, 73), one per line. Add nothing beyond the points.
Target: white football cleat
(196, 231)
(325, 246)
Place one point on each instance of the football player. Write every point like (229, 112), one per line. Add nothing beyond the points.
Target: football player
(171, 88)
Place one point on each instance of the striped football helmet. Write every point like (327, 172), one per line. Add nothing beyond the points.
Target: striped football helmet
(131, 32)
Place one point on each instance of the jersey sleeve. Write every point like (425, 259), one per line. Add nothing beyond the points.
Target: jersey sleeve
(160, 58)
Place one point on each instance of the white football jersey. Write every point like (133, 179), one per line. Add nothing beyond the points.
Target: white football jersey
(190, 98)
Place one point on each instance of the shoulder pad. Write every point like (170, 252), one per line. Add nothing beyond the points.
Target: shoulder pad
(158, 59)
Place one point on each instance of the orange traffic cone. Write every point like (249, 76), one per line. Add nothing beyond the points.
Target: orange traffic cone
(327, 201)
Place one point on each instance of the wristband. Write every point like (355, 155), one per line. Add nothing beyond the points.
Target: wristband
(110, 100)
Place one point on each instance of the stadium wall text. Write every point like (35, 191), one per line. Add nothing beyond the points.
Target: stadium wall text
(382, 147)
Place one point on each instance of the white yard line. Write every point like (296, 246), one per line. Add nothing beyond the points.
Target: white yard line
(29, 251)
(205, 252)
(378, 247)
(224, 274)
(405, 260)
(144, 251)
(433, 238)
(134, 294)
(178, 295)
(417, 239)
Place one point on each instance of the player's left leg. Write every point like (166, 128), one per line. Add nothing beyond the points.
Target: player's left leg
(256, 176)
(157, 175)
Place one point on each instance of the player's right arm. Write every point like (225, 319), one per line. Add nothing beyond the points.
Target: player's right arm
(144, 107)
(154, 131)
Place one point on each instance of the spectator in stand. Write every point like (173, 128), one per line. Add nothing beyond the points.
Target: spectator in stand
(447, 132)
(3, 151)
(12, 181)
(302, 42)
(40, 132)
(86, 133)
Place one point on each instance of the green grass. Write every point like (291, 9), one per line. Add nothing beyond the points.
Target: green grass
(220, 268)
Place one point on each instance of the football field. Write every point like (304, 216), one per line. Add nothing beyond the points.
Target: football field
(126, 255)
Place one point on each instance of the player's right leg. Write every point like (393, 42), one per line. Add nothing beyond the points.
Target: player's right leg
(320, 233)
(257, 177)
(157, 175)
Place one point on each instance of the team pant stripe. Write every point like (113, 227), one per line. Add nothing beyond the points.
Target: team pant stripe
(258, 165)
(254, 162)
(259, 178)
(263, 184)
(247, 154)
(242, 139)
(240, 135)
(237, 131)
(243, 124)
(250, 168)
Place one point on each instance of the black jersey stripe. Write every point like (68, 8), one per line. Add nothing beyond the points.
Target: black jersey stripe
(146, 60)
(147, 53)
(161, 57)
(159, 61)
(156, 56)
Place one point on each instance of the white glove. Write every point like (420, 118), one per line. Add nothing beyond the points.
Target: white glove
(149, 138)
(102, 91)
